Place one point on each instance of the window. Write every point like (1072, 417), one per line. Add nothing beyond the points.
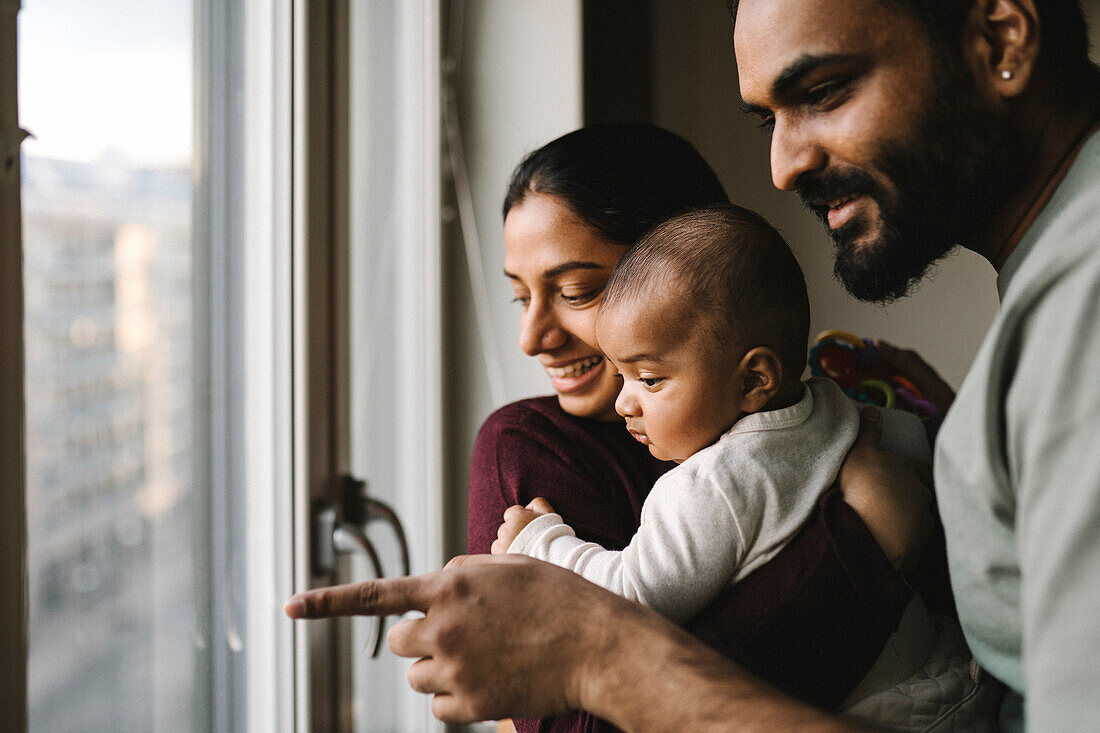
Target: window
(106, 89)
(182, 342)
(158, 306)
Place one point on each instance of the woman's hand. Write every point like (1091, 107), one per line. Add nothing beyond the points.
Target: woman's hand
(515, 519)
(889, 492)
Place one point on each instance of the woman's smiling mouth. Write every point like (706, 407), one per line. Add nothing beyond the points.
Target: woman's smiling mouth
(575, 375)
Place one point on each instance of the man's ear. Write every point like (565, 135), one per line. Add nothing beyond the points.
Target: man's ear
(1004, 38)
(761, 374)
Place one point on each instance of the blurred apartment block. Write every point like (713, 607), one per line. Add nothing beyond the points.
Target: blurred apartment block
(107, 258)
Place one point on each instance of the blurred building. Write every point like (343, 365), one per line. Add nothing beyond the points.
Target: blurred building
(107, 260)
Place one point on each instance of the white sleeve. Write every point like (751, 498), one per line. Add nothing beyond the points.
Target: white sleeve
(687, 549)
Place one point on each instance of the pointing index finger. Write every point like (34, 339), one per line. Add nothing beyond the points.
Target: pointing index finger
(382, 597)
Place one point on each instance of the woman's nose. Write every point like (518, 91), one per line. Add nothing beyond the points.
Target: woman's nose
(540, 330)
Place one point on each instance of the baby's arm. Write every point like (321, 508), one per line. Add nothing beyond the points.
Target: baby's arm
(686, 550)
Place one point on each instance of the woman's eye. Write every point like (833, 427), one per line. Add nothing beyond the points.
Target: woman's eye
(581, 298)
(766, 124)
(523, 300)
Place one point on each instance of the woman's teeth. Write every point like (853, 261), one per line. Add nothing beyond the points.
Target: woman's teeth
(575, 369)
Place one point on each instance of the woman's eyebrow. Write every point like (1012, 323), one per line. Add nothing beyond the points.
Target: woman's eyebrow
(564, 267)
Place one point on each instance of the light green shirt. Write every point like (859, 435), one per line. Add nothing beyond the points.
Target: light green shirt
(1018, 469)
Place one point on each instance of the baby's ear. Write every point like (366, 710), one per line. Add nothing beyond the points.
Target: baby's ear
(761, 374)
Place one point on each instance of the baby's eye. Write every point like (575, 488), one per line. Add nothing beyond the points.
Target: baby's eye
(650, 383)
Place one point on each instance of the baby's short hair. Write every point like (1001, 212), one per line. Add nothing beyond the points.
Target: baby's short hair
(731, 265)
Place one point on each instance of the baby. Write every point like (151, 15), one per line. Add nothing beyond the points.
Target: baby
(707, 321)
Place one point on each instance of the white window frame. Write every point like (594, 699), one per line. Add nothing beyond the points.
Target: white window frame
(244, 215)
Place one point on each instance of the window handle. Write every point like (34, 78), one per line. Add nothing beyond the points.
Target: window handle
(347, 539)
(332, 538)
(361, 510)
(380, 511)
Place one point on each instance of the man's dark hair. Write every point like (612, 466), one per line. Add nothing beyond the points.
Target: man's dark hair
(622, 179)
(1064, 33)
(734, 268)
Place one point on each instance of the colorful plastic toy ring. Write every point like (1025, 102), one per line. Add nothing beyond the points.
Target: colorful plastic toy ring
(843, 337)
(886, 389)
(900, 382)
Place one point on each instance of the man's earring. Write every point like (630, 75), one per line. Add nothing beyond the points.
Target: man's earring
(1006, 74)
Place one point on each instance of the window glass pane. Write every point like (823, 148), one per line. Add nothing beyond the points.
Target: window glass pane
(105, 88)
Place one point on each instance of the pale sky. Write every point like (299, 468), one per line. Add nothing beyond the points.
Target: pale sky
(97, 75)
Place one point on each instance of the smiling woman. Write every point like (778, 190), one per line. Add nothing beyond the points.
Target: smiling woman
(572, 209)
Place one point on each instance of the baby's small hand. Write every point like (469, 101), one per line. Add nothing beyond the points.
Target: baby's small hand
(515, 519)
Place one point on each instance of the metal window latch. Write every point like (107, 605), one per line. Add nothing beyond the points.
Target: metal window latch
(342, 531)
(361, 510)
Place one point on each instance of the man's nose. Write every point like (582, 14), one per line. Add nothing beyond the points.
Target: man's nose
(793, 152)
(540, 330)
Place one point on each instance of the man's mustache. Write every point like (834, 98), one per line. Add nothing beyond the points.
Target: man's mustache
(819, 190)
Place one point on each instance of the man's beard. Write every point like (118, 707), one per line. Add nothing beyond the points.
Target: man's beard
(955, 171)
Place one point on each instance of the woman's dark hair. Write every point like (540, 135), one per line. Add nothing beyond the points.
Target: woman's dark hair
(622, 179)
(1065, 34)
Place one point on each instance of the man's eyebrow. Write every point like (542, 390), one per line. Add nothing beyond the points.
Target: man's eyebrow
(794, 72)
(790, 77)
(563, 268)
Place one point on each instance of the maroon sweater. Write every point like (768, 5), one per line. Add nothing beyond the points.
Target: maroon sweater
(811, 621)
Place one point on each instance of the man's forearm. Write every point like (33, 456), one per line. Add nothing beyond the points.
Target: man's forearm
(510, 636)
(649, 675)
